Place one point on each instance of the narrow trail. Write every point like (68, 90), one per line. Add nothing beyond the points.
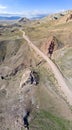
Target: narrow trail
(58, 75)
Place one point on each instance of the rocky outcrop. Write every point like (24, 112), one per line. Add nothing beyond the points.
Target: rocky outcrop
(28, 81)
(29, 77)
(46, 43)
(69, 18)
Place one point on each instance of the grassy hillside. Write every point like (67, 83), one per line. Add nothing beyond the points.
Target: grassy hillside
(38, 33)
(46, 121)
(64, 61)
(49, 108)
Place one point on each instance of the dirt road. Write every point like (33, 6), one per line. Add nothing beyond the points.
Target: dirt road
(58, 75)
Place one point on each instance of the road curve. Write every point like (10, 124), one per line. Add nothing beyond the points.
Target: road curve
(58, 75)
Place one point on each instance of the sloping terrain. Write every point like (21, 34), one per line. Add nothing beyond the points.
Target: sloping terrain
(19, 93)
(55, 70)
(64, 61)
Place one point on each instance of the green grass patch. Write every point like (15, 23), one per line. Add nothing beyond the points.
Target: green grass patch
(47, 121)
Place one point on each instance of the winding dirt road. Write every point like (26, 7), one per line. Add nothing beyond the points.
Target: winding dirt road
(65, 88)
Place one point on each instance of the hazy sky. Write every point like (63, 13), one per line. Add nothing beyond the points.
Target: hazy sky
(34, 7)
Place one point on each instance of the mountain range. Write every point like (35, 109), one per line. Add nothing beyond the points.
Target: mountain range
(9, 17)
(16, 17)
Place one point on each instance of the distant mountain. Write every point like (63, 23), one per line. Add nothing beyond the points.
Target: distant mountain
(9, 17)
(13, 17)
(24, 20)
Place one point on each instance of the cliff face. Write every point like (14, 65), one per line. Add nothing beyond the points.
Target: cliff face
(27, 83)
